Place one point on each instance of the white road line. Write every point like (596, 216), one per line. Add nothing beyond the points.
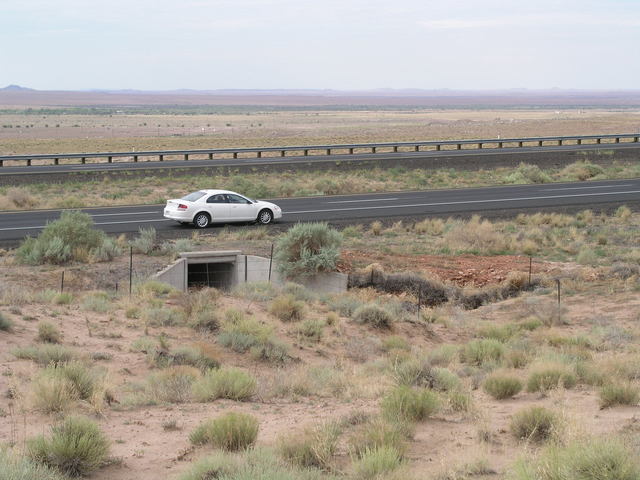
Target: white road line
(36, 227)
(465, 202)
(582, 188)
(372, 200)
(114, 214)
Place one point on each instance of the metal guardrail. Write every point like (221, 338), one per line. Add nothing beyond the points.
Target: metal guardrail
(308, 150)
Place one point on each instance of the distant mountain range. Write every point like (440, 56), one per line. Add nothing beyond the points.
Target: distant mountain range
(18, 96)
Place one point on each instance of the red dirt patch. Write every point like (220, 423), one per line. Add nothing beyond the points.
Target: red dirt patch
(463, 270)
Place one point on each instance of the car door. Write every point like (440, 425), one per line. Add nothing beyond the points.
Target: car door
(240, 209)
(218, 207)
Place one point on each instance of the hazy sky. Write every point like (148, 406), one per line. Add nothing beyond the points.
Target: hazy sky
(338, 44)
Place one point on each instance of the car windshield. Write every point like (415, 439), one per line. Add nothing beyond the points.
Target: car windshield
(192, 197)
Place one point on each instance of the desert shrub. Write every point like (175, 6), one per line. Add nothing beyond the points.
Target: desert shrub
(6, 324)
(72, 237)
(64, 298)
(107, 250)
(216, 465)
(287, 308)
(531, 324)
(589, 374)
(373, 315)
(231, 383)
(444, 380)
(377, 462)
(410, 405)
(21, 197)
(205, 320)
(76, 447)
(481, 352)
(623, 212)
(581, 171)
(460, 400)
(14, 467)
(442, 355)
(395, 342)
(613, 394)
(593, 458)
(231, 431)
(193, 356)
(145, 242)
(344, 304)
(171, 385)
(547, 377)
(315, 447)
(53, 394)
(298, 291)
(45, 354)
(526, 173)
(431, 290)
(48, 332)
(154, 288)
(379, 433)
(270, 350)
(534, 424)
(502, 386)
(237, 341)
(311, 329)
(516, 358)
(100, 302)
(413, 372)
(308, 248)
(477, 236)
(256, 291)
(502, 333)
(163, 317)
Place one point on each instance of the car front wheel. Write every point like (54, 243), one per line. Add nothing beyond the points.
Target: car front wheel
(265, 217)
(201, 220)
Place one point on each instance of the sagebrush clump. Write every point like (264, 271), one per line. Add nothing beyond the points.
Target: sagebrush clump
(76, 447)
(308, 248)
(231, 431)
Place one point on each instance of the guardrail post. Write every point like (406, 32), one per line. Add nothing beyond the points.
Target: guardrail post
(598, 141)
(459, 146)
(539, 143)
(395, 149)
(83, 160)
(559, 142)
(161, 158)
(617, 139)
(186, 156)
(259, 155)
(480, 146)
(56, 161)
(579, 141)
(235, 154)
(438, 147)
(499, 144)
(635, 139)
(1, 163)
(282, 153)
(328, 151)
(211, 156)
(373, 149)
(351, 151)
(417, 148)
(520, 144)
(109, 159)
(28, 162)
(135, 158)
(306, 153)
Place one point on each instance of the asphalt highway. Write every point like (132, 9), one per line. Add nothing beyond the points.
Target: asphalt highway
(292, 160)
(125, 219)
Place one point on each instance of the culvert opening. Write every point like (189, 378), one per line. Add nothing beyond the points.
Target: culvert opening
(218, 275)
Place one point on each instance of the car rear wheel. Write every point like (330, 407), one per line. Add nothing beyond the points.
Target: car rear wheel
(202, 220)
(265, 217)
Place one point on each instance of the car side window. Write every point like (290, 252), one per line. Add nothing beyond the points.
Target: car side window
(219, 198)
(236, 199)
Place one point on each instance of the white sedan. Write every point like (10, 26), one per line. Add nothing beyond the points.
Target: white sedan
(204, 207)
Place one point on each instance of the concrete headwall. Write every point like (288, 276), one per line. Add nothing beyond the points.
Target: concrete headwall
(174, 275)
(249, 269)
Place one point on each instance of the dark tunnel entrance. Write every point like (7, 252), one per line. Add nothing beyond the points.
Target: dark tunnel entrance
(218, 275)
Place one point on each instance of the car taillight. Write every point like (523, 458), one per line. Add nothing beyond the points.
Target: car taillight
(182, 206)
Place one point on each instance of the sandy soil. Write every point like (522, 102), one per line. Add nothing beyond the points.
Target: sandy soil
(147, 451)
